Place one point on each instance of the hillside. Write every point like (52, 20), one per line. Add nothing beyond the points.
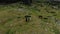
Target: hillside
(45, 19)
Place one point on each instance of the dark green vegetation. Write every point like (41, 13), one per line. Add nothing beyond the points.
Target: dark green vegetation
(44, 19)
(6, 2)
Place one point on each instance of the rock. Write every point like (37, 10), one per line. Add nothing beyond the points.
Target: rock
(57, 21)
(55, 7)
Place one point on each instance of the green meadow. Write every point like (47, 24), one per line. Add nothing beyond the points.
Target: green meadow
(12, 19)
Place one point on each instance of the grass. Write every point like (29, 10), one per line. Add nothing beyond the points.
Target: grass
(11, 24)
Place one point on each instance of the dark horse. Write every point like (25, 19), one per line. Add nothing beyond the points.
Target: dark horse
(14, 1)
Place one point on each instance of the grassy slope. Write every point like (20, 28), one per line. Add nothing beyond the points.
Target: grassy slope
(11, 24)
